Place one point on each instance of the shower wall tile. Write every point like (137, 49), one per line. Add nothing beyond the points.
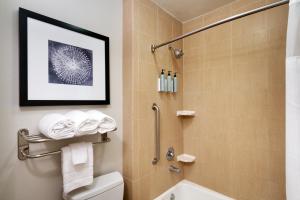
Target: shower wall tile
(149, 25)
(144, 43)
(234, 78)
(217, 14)
(145, 17)
(193, 24)
(241, 6)
(127, 77)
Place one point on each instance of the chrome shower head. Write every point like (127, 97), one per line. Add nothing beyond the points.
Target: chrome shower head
(178, 53)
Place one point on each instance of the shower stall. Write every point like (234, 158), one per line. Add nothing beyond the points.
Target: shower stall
(231, 71)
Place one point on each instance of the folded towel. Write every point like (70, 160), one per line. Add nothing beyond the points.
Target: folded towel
(83, 123)
(56, 126)
(79, 153)
(106, 124)
(75, 176)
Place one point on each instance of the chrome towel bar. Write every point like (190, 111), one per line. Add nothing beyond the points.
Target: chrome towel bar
(24, 139)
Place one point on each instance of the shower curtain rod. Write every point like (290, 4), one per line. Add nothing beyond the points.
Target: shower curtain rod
(223, 21)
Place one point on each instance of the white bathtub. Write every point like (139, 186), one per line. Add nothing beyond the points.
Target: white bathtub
(186, 190)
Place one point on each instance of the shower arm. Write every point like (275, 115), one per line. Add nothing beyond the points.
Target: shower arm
(223, 21)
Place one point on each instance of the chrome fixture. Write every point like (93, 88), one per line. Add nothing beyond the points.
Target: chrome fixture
(24, 139)
(170, 154)
(223, 21)
(178, 53)
(156, 158)
(175, 169)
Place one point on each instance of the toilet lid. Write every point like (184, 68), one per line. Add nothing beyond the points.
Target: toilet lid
(100, 185)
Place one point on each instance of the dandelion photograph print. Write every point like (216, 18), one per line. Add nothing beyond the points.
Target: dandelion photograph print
(61, 64)
(69, 64)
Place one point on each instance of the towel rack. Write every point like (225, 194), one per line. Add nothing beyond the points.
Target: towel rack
(24, 139)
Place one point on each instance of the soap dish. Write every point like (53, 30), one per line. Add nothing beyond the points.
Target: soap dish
(188, 113)
(186, 158)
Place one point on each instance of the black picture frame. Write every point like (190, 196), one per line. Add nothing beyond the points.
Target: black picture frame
(23, 61)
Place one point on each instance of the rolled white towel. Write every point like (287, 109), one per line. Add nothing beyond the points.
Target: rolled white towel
(106, 124)
(56, 126)
(83, 122)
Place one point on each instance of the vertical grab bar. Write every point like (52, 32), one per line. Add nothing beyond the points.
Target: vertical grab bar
(156, 158)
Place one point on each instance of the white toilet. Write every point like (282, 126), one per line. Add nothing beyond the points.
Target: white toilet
(106, 187)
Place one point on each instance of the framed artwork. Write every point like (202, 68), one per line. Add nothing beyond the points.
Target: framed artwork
(61, 64)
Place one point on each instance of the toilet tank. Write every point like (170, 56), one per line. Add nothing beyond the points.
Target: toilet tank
(106, 187)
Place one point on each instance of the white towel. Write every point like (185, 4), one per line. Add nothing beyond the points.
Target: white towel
(106, 124)
(76, 176)
(56, 126)
(83, 123)
(79, 153)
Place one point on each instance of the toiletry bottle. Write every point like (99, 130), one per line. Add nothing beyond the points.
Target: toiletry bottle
(162, 80)
(175, 83)
(158, 84)
(166, 85)
(170, 84)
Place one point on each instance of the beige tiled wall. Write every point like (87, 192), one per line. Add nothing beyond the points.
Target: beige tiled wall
(146, 24)
(234, 77)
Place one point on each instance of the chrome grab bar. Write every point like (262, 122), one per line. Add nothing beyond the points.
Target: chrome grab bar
(156, 158)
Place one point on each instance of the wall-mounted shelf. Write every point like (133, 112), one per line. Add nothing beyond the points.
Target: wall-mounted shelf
(24, 139)
(185, 113)
(186, 158)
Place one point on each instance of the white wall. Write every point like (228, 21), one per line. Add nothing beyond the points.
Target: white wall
(39, 179)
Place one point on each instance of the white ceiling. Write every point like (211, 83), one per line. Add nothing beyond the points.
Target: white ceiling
(184, 10)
